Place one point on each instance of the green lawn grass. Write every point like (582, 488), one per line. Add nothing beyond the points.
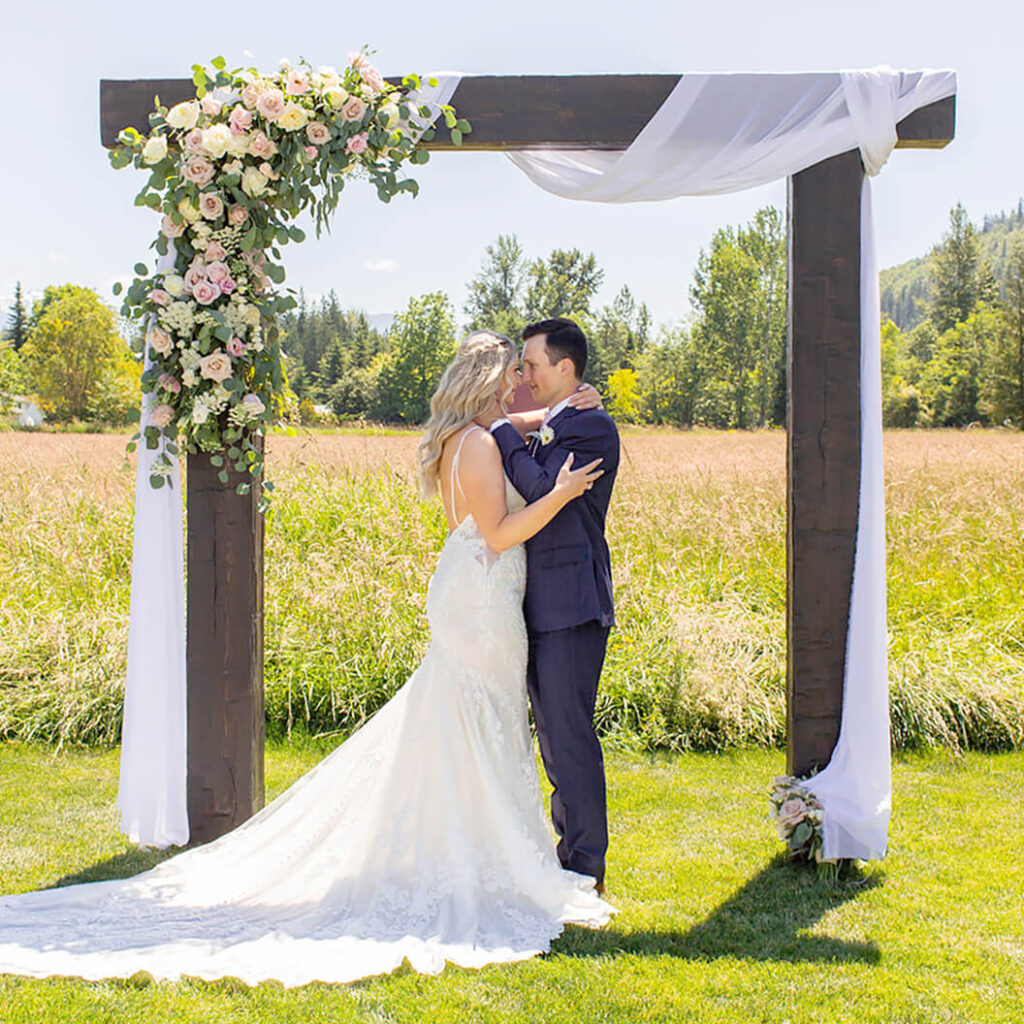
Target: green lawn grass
(713, 926)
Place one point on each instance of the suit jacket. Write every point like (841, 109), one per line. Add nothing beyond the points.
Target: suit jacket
(569, 576)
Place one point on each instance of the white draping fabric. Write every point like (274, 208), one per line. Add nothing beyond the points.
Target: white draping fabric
(151, 794)
(721, 133)
(151, 790)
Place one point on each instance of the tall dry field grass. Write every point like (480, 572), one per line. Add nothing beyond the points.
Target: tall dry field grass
(697, 536)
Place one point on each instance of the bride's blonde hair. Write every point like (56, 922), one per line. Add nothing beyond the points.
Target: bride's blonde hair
(469, 385)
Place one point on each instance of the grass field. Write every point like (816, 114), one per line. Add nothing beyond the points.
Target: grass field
(713, 926)
(697, 536)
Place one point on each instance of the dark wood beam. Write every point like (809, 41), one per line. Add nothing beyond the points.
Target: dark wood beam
(823, 454)
(224, 660)
(518, 111)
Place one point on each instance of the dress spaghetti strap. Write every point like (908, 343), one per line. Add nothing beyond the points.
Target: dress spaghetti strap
(455, 473)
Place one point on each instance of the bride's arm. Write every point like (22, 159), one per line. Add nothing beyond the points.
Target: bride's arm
(483, 484)
(585, 397)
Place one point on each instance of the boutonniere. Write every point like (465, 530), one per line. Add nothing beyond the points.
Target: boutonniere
(545, 435)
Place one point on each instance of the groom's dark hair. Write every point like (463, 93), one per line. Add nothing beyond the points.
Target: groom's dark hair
(564, 340)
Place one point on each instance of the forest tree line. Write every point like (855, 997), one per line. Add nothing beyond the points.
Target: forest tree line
(952, 337)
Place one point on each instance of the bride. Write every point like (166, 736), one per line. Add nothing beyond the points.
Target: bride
(423, 836)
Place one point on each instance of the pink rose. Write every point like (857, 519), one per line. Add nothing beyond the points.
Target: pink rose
(311, 152)
(268, 172)
(193, 276)
(354, 109)
(227, 285)
(199, 170)
(253, 405)
(168, 382)
(160, 297)
(216, 366)
(358, 143)
(205, 292)
(217, 271)
(298, 82)
(318, 133)
(254, 257)
(260, 145)
(237, 215)
(251, 93)
(236, 346)
(194, 143)
(161, 416)
(792, 811)
(209, 105)
(214, 251)
(211, 206)
(372, 77)
(270, 104)
(240, 120)
(169, 229)
(160, 341)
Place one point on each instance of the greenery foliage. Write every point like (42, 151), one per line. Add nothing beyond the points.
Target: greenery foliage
(75, 360)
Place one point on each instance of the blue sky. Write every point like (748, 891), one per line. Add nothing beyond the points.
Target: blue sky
(67, 216)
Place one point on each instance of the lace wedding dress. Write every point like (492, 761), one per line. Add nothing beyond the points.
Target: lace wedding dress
(422, 837)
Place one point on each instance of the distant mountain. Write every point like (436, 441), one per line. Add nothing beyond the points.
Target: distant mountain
(905, 288)
(380, 321)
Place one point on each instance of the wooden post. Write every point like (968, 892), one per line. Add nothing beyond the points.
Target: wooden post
(823, 455)
(225, 651)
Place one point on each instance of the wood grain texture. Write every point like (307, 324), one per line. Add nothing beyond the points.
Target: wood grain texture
(517, 111)
(224, 661)
(823, 455)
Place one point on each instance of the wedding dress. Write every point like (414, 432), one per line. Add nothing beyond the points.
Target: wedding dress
(421, 837)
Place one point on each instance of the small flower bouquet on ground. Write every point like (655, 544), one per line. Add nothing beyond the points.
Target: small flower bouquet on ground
(798, 815)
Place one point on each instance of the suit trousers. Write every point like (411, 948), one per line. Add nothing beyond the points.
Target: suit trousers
(562, 674)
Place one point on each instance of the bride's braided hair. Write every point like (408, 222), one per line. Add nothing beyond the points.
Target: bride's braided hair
(469, 385)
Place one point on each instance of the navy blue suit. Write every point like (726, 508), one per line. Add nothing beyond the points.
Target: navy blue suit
(569, 610)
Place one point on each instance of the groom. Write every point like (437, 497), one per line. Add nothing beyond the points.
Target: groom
(568, 603)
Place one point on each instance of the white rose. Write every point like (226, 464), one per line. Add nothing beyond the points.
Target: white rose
(293, 118)
(390, 113)
(336, 96)
(239, 145)
(188, 211)
(154, 150)
(184, 116)
(217, 140)
(175, 284)
(253, 182)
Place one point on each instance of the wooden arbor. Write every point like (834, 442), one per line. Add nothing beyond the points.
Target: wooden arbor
(225, 537)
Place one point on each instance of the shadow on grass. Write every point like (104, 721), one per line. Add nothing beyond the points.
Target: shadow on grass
(760, 921)
(131, 862)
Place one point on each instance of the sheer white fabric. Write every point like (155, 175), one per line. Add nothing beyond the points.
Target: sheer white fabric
(723, 133)
(423, 836)
(151, 790)
(151, 794)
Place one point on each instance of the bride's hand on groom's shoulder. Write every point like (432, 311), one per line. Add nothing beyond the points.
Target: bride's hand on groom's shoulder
(586, 396)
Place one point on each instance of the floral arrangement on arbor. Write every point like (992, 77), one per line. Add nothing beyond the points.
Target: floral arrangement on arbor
(230, 171)
(798, 814)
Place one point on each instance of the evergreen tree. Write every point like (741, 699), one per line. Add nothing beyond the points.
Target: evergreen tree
(955, 272)
(17, 319)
